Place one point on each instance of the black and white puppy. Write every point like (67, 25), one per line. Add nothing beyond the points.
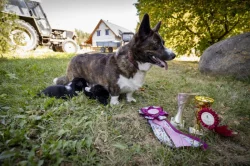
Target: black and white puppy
(65, 91)
(97, 92)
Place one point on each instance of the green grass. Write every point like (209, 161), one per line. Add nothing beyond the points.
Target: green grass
(46, 131)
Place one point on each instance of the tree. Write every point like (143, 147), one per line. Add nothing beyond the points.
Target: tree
(81, 36)
(7, 21)
(196, 24)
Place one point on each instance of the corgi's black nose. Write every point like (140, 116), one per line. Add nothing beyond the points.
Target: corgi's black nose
(169, 54)
(172, 55)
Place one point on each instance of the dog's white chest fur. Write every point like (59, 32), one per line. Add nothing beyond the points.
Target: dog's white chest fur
(132, 84)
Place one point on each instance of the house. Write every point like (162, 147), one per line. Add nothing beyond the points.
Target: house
(108, 35)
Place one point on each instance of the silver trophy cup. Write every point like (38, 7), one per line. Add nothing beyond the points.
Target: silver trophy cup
(183, 99)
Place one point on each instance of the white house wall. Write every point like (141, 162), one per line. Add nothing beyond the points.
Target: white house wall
(103, 37)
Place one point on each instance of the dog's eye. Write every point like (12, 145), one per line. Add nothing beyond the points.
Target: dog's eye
(155, 46)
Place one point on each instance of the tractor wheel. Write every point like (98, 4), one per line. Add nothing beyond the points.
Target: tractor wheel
(69, 46)
(24, 36)
(57, 48)
(53, 47)
(103, 50)
(110, 49)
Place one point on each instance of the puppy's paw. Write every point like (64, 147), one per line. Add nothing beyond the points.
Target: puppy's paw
(87, 89)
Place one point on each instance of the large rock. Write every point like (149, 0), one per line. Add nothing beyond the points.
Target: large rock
(228, 57)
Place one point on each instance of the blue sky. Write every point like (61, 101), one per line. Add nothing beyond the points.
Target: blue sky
(85, 14)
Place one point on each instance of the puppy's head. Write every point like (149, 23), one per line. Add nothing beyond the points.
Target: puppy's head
(148, 45)
(102, 100)
(100, 93)
(88, 93)
(79, 84)
(99, 90)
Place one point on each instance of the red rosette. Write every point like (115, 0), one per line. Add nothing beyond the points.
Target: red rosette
(208, 118)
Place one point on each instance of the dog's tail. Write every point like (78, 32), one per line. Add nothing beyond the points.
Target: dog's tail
(61, 80)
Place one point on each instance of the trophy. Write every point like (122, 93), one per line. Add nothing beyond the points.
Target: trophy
(183, 99)
(202, 103)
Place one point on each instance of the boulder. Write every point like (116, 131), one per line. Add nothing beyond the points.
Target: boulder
(229, 57)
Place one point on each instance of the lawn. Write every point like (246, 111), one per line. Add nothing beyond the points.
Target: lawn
(47, 131)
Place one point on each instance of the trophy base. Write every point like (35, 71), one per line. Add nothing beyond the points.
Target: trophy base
(175, 124)
(192, 130)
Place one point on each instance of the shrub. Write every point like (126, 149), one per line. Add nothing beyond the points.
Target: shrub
(7, 21)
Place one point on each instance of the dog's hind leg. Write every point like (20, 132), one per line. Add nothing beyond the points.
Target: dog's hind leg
(130, 97)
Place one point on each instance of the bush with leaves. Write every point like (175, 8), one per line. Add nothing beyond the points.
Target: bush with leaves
(81, 36)
(7, 21)
(196, 24)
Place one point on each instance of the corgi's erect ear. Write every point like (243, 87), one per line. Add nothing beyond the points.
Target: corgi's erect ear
(157, 27)
(145, 26)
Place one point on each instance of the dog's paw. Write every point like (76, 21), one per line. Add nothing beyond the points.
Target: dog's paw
(131, 99)
(114, 103)
(114, 100)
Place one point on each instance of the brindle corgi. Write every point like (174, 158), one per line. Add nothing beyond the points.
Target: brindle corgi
(124, 71)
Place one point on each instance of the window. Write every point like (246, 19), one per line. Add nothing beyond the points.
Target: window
(98, 32)
(17, 7)
(35, 7)
(107, 32)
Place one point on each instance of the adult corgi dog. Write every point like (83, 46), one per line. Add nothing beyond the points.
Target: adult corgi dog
(124, 71)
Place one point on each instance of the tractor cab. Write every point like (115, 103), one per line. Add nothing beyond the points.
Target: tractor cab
(31, 12)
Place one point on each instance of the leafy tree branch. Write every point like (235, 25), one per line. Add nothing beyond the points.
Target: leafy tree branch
(197, 24)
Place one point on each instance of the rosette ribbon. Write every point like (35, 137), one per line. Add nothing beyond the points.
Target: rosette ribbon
(222, 130)
(166, 132)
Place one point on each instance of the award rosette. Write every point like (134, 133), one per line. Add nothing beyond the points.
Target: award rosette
(166, 132)
(208, 118)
